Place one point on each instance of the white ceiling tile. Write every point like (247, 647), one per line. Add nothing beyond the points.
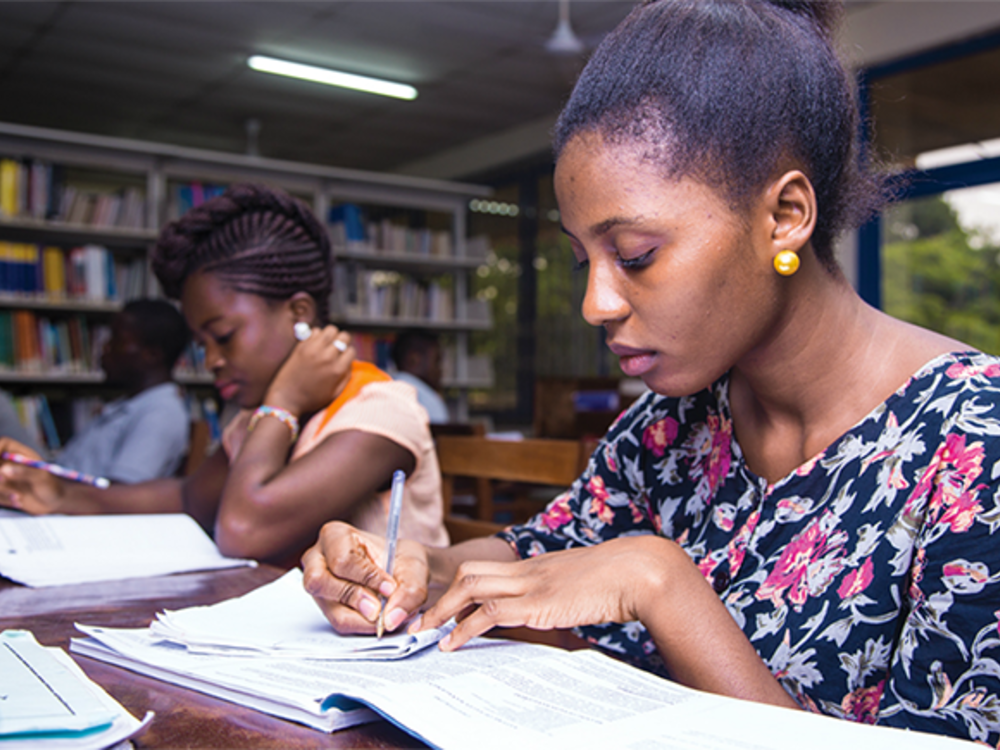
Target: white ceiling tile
(175, 71)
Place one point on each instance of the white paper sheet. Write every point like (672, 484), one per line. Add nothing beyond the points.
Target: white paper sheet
(280, 619)
(60, 550)
(48, 703)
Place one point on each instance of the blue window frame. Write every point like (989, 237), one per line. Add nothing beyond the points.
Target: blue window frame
(917, 183)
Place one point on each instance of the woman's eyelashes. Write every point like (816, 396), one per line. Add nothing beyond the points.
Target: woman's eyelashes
(639, 261)
(580, 265)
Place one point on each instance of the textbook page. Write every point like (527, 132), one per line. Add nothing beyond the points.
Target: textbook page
(280, 619)
(501, 693)
(59, 550)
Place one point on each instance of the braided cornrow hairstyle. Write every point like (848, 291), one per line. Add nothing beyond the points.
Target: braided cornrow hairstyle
(257, 239)
(725, 91)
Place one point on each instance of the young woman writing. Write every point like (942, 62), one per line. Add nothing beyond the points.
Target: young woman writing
(252, 271)
(803, 511)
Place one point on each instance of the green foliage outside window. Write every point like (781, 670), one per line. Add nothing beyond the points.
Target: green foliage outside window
(940, 276)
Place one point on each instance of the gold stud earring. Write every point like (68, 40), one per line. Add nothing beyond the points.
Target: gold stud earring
(786, 262)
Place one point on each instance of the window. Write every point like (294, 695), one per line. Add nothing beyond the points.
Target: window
(932, 257)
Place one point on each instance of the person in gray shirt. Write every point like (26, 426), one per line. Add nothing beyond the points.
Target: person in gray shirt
(417, 355)
(143, 435)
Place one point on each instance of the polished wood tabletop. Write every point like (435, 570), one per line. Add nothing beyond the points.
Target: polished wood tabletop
(184, 718)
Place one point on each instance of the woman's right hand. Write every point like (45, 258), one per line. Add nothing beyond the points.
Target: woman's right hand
(343, 573)
(314, 373)
(34, 491)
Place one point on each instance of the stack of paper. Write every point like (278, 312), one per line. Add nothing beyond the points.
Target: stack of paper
(279, 619)
(48, 703)
(491, 694)
(60, 550)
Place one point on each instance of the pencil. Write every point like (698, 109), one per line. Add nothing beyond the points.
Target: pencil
(59, 471)
(391, 537)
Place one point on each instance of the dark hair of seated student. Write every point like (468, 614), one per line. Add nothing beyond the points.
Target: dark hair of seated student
(803, 509)
(147, 338)
(251, 269)
(419, 352)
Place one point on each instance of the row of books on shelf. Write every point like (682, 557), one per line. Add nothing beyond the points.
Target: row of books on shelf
(351, 231)
(378, 294)
(89, 272)
(385, 294)
(34, 413)
(37, 189)
(71, 345)
(37, 344)
(183, 196)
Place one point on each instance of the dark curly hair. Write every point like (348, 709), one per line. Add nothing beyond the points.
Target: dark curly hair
(726, 91)
(257, 239)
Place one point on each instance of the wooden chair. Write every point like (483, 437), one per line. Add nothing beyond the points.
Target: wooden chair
(547, 462)
(524, 462)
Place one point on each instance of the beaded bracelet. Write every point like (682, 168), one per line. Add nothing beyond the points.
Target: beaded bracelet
(286, 418)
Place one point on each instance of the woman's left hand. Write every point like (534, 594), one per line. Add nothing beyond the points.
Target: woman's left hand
(314, 372)
(605, 583)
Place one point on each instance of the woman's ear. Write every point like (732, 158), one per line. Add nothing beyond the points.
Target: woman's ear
(791, 205)
(303, 308)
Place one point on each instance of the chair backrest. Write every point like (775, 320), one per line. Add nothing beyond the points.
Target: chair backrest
(533, 461)
(538, 461)
(463, 429)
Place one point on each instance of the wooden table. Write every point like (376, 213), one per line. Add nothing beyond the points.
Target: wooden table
(184, 718)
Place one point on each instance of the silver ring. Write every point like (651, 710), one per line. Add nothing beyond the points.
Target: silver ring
(341, 345)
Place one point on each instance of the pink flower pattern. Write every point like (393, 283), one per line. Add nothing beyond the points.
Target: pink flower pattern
(659, 435)
(599, 500)
(794, 571)
(857, 580)
(862, 704)
(558, 513)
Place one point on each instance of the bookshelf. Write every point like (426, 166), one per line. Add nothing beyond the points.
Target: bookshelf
(111, 196)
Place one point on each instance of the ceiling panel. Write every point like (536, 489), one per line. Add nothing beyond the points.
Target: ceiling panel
(175, 71)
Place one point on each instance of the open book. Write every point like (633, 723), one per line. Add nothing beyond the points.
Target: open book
(490, 694)
(59, 550)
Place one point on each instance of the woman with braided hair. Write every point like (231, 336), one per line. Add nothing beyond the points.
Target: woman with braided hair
(251, 269)
(805, 508)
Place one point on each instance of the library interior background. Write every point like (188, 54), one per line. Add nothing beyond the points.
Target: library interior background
(117, 116)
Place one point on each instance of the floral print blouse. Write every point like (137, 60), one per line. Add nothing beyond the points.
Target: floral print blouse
(868, 579)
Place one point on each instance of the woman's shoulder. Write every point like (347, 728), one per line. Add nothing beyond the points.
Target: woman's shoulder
(381, 406)
(967, 371)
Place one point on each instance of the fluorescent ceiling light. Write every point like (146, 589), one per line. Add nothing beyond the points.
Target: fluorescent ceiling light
(332, 77)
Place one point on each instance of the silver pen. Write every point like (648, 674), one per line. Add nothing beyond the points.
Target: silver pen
(391, 537)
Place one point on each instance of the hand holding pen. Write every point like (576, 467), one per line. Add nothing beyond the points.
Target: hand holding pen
(59, 471)
(28, 488)
(391, 538)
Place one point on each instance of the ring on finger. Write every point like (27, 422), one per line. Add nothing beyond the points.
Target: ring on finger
(340, 345)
